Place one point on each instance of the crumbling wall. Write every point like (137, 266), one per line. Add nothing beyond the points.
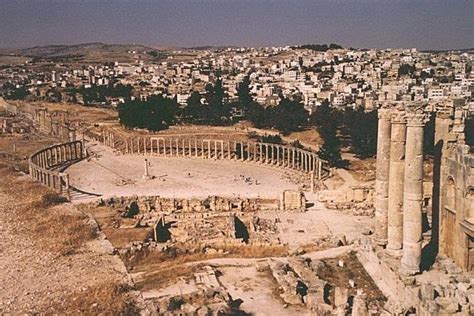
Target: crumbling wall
(457, 211)
(290, 201)
(357, 199)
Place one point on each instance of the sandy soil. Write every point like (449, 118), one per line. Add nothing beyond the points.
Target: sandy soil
(109, 174)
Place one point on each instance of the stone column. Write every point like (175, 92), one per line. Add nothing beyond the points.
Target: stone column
(382, 175)
(209, 151)
(320, 169)
(146, 175)
(266, 154)
(413, 194)
(396, 178)
(278, 155)
(293, 153)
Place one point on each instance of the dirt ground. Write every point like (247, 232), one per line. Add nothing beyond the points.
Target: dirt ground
(108, 174)
(51, 257)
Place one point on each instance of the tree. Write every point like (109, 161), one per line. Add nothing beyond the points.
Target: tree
(326, 120)
(331, 148)
(288, 115)
(14, 93)
(361, 126)
(243, 92)
(256, 114)
(157, 113)
(469, 131)
(406, 70)
(192, 112)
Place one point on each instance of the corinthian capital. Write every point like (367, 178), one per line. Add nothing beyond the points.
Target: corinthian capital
(384, 113)
(416, 119)
(398, 116)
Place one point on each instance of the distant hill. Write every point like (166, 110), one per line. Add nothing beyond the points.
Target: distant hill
(318, 47)
(79, 49)
(464, 50)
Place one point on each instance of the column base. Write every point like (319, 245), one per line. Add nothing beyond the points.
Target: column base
(408, 271)
(147, 177)
(381, 242)
(394, 253)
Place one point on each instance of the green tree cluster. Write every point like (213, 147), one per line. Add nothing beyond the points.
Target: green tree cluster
(11, 92)
(98, 94)
(155, 114)
(469, 131)
(406, 70)
(326, 120)
(361, 126)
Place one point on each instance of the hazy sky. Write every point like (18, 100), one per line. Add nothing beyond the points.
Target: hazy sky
(425, 24)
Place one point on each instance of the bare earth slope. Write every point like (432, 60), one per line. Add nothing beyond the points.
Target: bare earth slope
(51, 260)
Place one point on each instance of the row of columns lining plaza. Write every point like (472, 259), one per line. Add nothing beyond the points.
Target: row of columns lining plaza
(44, 163)
(399, 184)
(262, 153)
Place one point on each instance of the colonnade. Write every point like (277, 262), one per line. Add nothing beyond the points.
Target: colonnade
(257, 152)
(399, 184)
(45, 164)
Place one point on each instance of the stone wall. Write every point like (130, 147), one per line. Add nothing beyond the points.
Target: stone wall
(354, 196)
(290, 201)
(457, 212)
(215, 222)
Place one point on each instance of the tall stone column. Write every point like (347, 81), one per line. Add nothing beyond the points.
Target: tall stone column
(382, 175)
(266, 154)
(413, 194)
(396, 178)
(278, 156)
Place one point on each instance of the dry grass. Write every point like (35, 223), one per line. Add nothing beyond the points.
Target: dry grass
(312, 247)
(57, 226)
(363, 170)
(158, 269)
(122, 238)
(56, 229)
(25, 145)
(163, 277)
(106, 299)
(309, 136)
(149, 258)
(108, 218)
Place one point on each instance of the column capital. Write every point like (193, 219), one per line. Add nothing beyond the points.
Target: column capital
(384, 113)
(416, 119)
(398, 117)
